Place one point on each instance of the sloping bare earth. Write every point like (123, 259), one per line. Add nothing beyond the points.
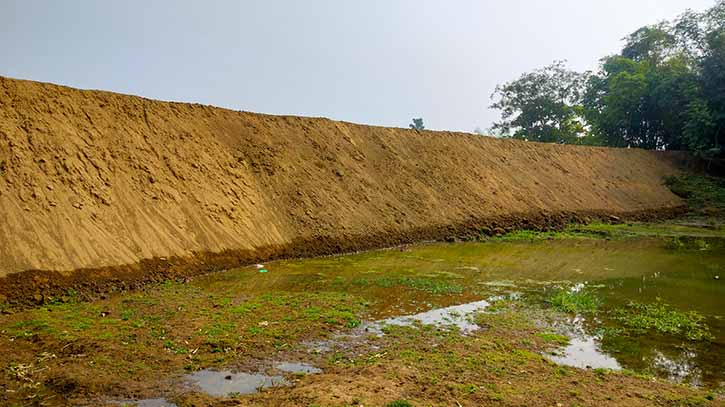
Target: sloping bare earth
(99, 188)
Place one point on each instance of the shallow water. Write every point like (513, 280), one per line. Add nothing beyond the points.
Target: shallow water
(223, 383)
(297, 367)
(414, 280)
(157, 402)
(457, 316)
(584, 349)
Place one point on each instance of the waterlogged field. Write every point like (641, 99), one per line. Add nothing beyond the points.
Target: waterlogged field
(613, 315)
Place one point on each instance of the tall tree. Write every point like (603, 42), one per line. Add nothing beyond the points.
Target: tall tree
(665, 89)
(542, 105)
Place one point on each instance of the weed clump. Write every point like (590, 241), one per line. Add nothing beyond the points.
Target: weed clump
(555, 338)
(661, 318)
(572, 302)
(686, 243)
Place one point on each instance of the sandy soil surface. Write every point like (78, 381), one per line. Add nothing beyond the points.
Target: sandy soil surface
(116, 184)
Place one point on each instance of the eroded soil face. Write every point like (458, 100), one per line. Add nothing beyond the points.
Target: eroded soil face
(287, 319)
(94, 180)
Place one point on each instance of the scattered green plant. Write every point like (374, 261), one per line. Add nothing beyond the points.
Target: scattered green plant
(433, 286)
(571, 301)
(700, 191)
(686, 243)
(660, 317)
(553, 338)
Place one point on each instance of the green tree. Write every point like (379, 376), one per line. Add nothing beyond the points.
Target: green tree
(665, 90)
(645, 103)
(417, 124)
(542, 105)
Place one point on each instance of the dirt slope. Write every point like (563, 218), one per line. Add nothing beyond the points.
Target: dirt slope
(92, 179)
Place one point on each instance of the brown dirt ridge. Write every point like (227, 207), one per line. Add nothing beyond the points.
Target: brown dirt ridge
(99, 188)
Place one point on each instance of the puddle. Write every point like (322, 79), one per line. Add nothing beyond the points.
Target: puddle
(440, 276)
(145, 403)
(297, 367)
(456, 315)
(679, 370)
(585, 353)
(223, 383)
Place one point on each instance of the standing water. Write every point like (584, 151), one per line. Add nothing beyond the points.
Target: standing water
(446, 282)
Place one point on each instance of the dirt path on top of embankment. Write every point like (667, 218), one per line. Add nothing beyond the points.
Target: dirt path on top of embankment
(126, 187)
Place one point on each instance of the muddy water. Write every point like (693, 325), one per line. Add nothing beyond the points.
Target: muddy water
(418, 279)
(223, 383)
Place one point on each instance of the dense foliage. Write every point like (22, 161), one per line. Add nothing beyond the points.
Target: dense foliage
(542, 105)
(664, 90)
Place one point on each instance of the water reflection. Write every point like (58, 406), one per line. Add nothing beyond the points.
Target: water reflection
(222, 383)
(619, 271)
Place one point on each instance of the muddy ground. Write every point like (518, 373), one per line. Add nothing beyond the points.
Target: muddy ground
(143, 344)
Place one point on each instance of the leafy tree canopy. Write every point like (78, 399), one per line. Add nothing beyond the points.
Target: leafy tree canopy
(542, 105)
(664, 90)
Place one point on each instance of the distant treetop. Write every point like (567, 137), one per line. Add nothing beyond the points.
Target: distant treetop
(417, 124)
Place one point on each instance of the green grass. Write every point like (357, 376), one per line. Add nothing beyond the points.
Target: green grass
(687, 243)
(661, 318)
(700, 191)
(433, 286)
(551, 337)
(571, 232)
(574, 301)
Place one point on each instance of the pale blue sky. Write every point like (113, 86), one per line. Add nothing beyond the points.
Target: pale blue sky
(368, 61)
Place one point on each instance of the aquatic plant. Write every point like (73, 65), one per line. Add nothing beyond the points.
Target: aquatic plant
(661, 318)
(433, 286)
(571, 301)
(687, 243)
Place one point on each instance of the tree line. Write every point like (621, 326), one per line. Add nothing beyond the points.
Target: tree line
(665, 90)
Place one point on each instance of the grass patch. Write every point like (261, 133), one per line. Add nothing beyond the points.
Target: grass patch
(551, 337)
(661, 318)
(687, 243)
(165, 329)
(701, 192)
(571, 232)
(574, 301)
(429, 285)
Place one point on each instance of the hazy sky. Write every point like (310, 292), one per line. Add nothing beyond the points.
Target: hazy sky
(368, 61)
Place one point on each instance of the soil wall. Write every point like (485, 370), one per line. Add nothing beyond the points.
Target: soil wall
(101, 181)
